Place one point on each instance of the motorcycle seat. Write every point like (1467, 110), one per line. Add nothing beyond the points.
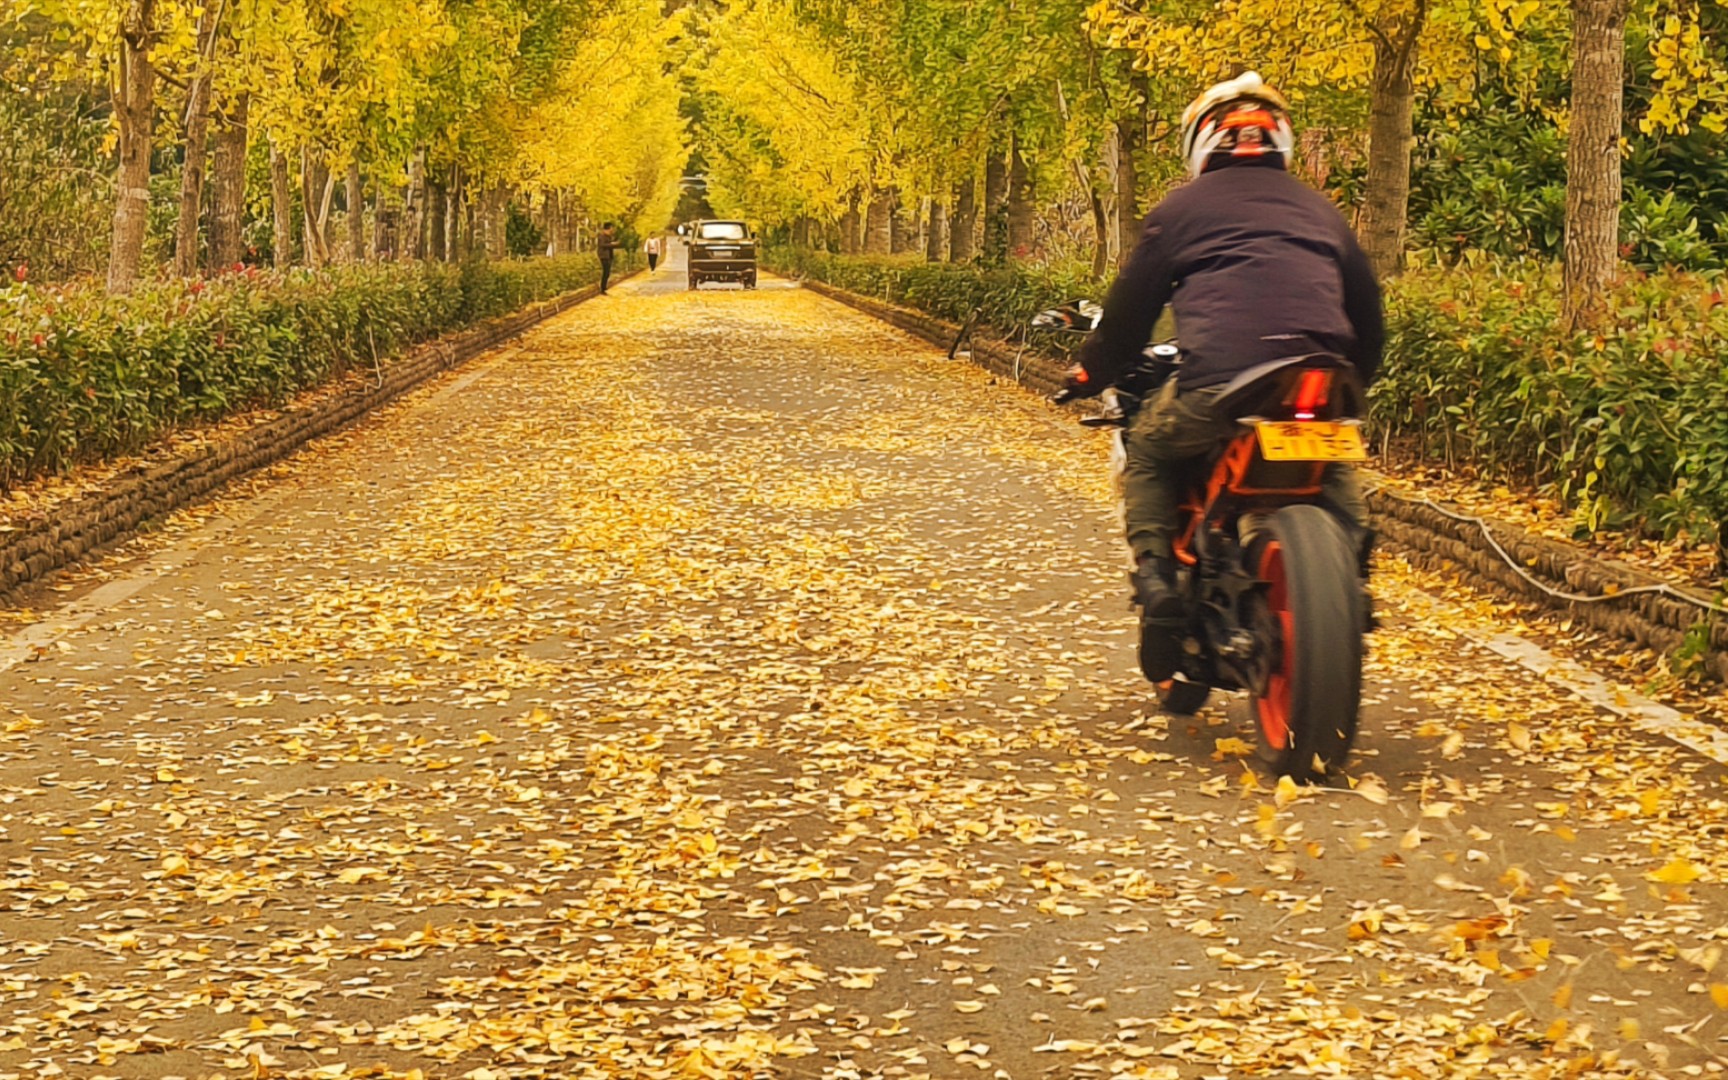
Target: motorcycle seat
(1251, 391)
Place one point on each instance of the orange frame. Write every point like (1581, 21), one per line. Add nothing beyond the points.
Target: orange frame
(1228, 476)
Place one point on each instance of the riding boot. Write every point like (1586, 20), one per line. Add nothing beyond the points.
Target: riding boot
(1161, 618)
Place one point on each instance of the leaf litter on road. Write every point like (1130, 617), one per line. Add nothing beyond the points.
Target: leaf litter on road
(728, 687)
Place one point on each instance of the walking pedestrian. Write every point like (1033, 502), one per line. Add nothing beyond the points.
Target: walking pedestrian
(605, 242)
(652, 247)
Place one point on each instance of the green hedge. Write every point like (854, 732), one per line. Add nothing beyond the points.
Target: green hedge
(1630, 426)
(1005, 298)
(84, 375)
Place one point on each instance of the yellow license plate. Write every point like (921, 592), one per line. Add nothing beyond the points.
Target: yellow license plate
(1310, 440)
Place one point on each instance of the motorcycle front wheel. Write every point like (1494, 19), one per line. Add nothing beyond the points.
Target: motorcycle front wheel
(1314, 622)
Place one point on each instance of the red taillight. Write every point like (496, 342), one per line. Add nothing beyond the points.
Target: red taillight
(1312, 392)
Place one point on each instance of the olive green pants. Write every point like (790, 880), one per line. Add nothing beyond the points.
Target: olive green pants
(1168, 433)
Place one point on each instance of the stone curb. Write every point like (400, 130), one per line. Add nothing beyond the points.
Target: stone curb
(82, 526)
(1426, 536)
(1662, 621)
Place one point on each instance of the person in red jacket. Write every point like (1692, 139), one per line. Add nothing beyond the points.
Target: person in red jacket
(1257, 266)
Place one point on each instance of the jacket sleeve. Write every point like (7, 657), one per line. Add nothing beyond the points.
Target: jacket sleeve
(1132, 307)
(1363, 308)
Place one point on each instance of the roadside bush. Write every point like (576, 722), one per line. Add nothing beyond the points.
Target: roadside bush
(1628, 426)
(84, 375)
(1005, 298)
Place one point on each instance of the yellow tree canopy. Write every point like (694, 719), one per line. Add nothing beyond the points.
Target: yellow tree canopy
(611, 132)
(1690, 76)
(340, 75)
(787, 130)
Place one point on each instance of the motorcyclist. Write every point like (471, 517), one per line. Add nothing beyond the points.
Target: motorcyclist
(1257, 266)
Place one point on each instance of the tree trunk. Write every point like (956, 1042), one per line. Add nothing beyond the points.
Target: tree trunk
(480, 228)
(851, 228)
(481, 224)
(1130, 133)
(453, 216)
(354, 193)
(936, 239)
(470, 212)
(228, 184)
(134, 109)
(494, 203)
(196, 130)
(317, 188)
(996, 205)
(558, 224)
(437, 221)
(413, 246)
(963, 227)
(553, 217)
(879, 226)
(1101, 231)
(1391, 107)
(903, 226)
(281, 208)
(1593, 157)
(1020, 205)
(311, 245)
(383, 223)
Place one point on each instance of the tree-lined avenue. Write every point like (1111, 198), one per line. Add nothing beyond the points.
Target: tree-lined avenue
(723, 684)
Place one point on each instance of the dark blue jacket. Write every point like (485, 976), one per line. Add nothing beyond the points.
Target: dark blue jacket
(1257, 266)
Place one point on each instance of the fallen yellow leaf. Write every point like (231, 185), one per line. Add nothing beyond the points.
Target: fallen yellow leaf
(1678, 871)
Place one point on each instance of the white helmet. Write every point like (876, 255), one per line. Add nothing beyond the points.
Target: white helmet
(1238, 118)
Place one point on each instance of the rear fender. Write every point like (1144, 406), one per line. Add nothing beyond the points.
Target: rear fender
(1268, 389)
(1242, 471)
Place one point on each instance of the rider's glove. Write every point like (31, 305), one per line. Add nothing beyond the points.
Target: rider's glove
(1077, 385)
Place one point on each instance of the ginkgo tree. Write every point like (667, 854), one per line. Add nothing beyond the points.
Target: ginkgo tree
(609, 134)
(1690, 85)
(332, 81)
(1689, 73)
(1389, 49)
(438, 110)
(1385, 48)
(120, 43)
(786, 127)
(858, 115)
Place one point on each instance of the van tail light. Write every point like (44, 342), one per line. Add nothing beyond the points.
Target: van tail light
(1312, 392)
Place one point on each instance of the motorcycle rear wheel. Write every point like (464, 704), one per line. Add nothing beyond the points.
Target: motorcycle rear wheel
(1308, 713)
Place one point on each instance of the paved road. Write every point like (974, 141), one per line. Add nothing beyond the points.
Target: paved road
(721, 684)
